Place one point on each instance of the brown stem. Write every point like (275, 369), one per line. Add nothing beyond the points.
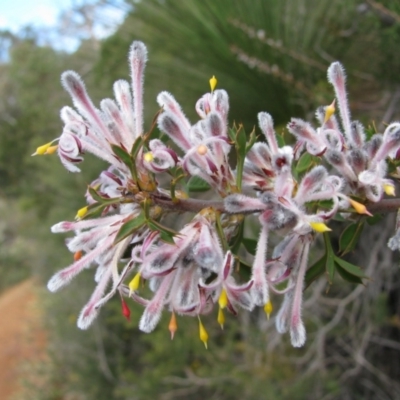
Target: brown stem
(384, 206)
(195, 205)
(190, 205)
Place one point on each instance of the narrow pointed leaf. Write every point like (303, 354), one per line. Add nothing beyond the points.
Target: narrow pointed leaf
(330, 258)
(95, 194)
(136, 147)
(122, 155)
(349, 237)
(374, 219)
(348, 277)
(350, 268)
(316, 270)
(197, 184)
(305, 162)
(237, 240)
(130, 227)
(250, 245)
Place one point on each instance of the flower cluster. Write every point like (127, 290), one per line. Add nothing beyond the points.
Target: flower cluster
(125, 231)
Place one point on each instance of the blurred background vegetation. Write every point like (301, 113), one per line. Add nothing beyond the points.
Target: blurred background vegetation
(270, 56)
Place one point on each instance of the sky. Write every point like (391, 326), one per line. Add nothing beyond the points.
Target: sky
(16, 13)
(43, 14)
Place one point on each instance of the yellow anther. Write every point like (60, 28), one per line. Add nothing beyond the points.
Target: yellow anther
(221, 318)
(202, 149)
(203, 334)
(148, 156)
(329, 111)
(173, 326)
(360, 208)
(268, 308)
(389, 189)
(213, 83)
(319, 227)
(51, 149)
(134, 283)
(81, 212)
(42, 149)
(223, 299)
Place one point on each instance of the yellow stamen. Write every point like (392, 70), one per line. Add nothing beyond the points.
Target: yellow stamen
(51, 149)
(202, 149)
(173, 326)
(223, 299)
(213, 83)
(360, 208)
(134, 283)
(148, 156)
(389, 189)
(329, 111)
(221, 318)
(42, 149)
(203, 334)
(319, 227)
(268, 308)
(81, 212)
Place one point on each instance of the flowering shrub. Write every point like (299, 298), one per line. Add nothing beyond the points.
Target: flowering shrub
(335, 171)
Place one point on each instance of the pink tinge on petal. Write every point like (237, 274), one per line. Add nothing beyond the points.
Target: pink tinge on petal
(207, 252)
(266, 125)
(169, 104)
(298, 334)
(138, 58)
(282, 319)
(311, 182)
(90, 312)
(169, 124)
(75, 86)
(239, 203)
(124, 98)
(215, 124)
(220, 102)
(337, 77)
(65, 276)
(120, 132)
(153, 310)
(297, 330)
(259, 289)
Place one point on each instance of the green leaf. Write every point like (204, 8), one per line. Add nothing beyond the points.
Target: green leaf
(374, 219)
(349, 237)
(346, 276)
(250, 245)
(330, 258)
(232, 133)
(95, 195)
(95, 210)
(252, 140)
(166, 237)
(304, 163)
(350, 268)
(237, 239)
(122, 155)
(241, 142)
(136, 147)
(197, 184)
(281, 140)
(130, 227)
(316, 270)
(156, 226)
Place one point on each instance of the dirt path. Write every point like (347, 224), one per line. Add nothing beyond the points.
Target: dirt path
(21, 335)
